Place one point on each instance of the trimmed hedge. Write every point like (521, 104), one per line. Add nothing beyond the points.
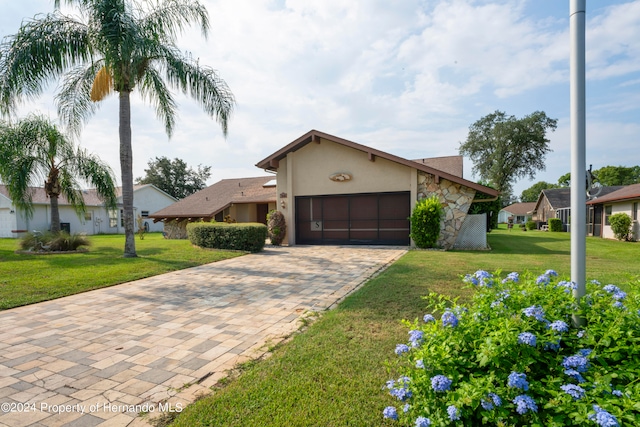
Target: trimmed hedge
(555, 224)
(531, 225)
(248, 237)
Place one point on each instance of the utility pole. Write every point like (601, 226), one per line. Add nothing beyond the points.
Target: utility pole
(578, 152)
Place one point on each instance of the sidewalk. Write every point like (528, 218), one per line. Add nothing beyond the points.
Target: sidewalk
(102, 357)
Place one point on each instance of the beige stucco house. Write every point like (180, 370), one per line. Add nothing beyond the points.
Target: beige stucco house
(335, 191)
(237, 199)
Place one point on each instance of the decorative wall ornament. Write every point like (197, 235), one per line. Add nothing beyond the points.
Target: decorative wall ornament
(340, 177)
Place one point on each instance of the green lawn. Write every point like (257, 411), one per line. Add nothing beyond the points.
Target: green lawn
(25, 278)
(334, 372)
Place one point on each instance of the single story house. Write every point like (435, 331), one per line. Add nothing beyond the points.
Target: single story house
(520, 212)
(97, 219)
(556, 203)
(335, 191)
(239, 199)
(625, 200)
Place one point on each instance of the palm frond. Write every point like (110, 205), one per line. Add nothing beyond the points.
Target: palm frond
(153, 88)
(42, 49)
(70, 189)
(167, 18)
(98, 175)
(203, 84)
(73, 99)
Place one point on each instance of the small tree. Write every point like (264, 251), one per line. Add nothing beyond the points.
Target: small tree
(425, 222)
(621, 226)
(555, 224)
(276, 226)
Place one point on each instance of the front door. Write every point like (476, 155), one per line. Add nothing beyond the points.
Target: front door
(263, 210)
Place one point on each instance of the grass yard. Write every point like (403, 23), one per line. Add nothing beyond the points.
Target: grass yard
(25, 278)
(333, 373)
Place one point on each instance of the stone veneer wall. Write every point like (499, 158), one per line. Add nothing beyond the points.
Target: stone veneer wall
(176, 229)
(456, 200)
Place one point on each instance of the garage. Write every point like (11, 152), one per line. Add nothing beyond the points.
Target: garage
(354, 219)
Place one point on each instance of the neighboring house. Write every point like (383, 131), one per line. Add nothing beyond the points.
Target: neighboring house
(625, 200)
(335, 191)
(146, 200)
(556, 203)
(241, 200)
(520, 212)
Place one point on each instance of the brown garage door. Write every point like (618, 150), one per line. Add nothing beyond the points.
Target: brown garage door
(355, 219)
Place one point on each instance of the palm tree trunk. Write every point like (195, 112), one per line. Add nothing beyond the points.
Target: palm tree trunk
(55, 214)
(126, 166)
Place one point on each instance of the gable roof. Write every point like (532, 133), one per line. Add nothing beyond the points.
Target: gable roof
(207, 202)
(519, 208)
(272, 162)
(628, 192)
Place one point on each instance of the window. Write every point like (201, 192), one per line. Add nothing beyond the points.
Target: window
(634, 214)
(607, 214)
(88, 216)
(144, 214)
(113, 218)
(121, 217)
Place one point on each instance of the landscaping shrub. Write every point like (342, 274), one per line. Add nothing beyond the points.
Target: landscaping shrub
(555, 224)
(511, 358)
(243, 237)
(621, 226)
(277, 227)
(531, 225)
(53, 242)
(425, 222)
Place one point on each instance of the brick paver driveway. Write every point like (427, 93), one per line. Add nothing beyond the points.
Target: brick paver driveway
(101, 357)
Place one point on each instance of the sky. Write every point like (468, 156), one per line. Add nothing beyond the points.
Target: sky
(407, 77)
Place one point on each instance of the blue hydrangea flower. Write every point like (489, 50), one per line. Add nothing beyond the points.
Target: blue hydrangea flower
(470, 279)
(440, 383)
(525, 404)
(527, 338)
(568, 286)
(575, 375)
(612, 289)
(454, 413)
(401, 392)
(390, 384)
(491, 400)
(574, 391)
(585, 352)
(518, 380)
(512, 277)
(406, 408)
(551, 273)
(535, 311)
(416, 337)
(390, 412)
(581, 333)
(543, 280)
(419, 364)
(553, 346)
(617, 393)
(603, 418)
(559, 326)
(577, 362)
(428, 318)
(449, 319)
(401, 348)
(423, 422)
(595, 282)
(619, 304)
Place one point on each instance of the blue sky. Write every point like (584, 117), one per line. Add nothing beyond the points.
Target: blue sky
(407, 77)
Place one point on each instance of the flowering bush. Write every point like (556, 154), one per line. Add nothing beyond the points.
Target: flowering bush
(510, 357)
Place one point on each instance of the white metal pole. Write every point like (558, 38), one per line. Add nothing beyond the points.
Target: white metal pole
(578, 155)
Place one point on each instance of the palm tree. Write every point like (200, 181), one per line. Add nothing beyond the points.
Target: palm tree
(115, 45)
(33, 150)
